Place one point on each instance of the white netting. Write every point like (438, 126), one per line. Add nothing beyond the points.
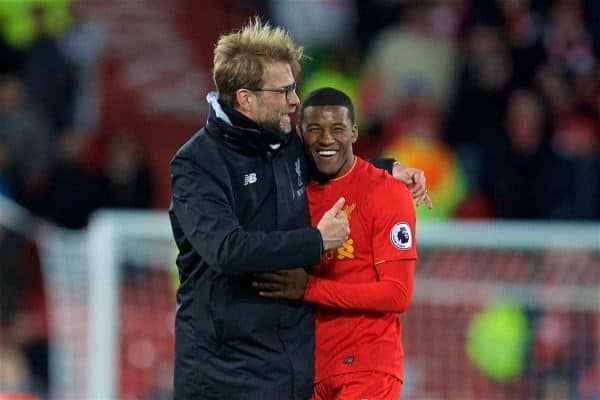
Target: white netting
(110, 301)
(557, 293)
(63, 255)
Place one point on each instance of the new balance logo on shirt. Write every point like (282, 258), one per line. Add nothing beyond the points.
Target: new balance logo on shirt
(249, 178)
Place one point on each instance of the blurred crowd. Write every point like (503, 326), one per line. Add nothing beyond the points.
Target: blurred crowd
(498, 101)
(54, 160)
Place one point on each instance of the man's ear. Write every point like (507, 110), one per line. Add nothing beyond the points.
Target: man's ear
(244, 100)
(354, 134)
(299, 131)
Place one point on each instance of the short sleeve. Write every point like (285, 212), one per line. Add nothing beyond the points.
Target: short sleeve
(394, 233)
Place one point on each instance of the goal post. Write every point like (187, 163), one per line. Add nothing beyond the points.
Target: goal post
(509, 234)
(108, 234)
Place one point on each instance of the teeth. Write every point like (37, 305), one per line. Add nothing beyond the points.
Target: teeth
(326, 152)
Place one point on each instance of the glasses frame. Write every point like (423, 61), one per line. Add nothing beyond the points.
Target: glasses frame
(287, 90)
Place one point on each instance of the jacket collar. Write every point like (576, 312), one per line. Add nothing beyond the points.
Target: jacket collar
(240, 132)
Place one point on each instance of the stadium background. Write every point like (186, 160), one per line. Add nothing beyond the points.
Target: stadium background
(498, 101)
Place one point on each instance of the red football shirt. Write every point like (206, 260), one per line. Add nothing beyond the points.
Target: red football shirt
(361, 286)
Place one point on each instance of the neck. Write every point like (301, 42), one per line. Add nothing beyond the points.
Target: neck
(321, 178)
(244, 113)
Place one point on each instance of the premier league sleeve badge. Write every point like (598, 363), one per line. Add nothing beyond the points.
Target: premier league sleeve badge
(401, 236)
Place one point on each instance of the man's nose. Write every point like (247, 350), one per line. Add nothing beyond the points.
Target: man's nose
(294, 100)
(325, 137)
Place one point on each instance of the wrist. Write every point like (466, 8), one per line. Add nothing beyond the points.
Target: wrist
(321, 242)
(310, 284)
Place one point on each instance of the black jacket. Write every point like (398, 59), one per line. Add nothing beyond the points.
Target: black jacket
(239, 206)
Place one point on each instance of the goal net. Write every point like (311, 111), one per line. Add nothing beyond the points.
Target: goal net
(504, 311)
(500, 310)
(110, 299)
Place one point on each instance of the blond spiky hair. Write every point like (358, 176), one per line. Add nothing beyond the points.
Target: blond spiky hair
(239, 57)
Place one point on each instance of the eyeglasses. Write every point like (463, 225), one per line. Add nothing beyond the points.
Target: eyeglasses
(288, 90)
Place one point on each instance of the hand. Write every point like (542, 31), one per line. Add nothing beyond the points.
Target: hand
(414, 179)
(334, 226)
(283, 284)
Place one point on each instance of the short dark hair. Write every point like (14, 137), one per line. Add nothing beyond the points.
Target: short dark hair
(327, 96)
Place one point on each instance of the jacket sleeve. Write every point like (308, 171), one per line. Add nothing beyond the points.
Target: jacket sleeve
(386, 164)
(206, 214)
(390, 294)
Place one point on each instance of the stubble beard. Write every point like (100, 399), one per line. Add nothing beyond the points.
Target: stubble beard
(272, 120)
(277, 125)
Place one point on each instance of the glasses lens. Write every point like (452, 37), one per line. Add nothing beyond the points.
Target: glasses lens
(289, 90)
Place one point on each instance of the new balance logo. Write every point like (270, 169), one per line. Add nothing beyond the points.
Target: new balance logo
(249, 179)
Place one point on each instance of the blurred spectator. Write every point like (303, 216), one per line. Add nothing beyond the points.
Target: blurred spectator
(72, 191)
(446, 18)
(445, 176)
(586, 86)
(557, 92)
(316, 23)
(49, 76)
(25, 136)
(573, 176)
(483, 87)
(523, 33)
(412, 135)
(567, 41)
(128, 179)
(418, 116)
(82, 45)
(515, 161)
(405, 54)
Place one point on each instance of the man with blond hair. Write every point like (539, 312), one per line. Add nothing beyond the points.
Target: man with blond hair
(239, 207)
